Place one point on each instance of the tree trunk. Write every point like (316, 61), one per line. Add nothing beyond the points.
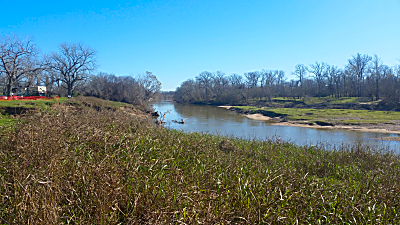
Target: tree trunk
(69, 90)
(9, 87)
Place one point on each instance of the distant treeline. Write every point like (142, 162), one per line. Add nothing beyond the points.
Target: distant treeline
(134, 90)
(68, 72)
(362, 76)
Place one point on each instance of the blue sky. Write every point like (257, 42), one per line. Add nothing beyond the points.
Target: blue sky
(177, 40)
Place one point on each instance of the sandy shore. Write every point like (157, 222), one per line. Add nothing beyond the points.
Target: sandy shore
(387, 129)
(258, 116)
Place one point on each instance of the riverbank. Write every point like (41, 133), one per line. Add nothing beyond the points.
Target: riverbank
(355, 103)
(13, 111)
(354, 120)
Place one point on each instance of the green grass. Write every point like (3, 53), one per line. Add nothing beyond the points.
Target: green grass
(287, 99)
(323, 100)
(331, 100)
(5, 121)
(344, 100)
(335, 116)
(31, 103)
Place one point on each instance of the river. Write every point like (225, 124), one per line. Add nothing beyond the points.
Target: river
(214, 120)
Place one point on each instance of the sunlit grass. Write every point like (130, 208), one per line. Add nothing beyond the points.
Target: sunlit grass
(323, 100)
(344, 100)
(332, 100)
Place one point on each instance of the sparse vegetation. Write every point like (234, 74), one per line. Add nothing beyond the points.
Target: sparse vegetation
(76, 164)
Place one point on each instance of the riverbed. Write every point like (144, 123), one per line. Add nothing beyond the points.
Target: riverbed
(214, 120)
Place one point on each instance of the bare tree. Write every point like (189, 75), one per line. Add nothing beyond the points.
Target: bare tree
(252, 78)
(318, 69)
(18, 59)
(150, 84)
(376, 73)
(338, 81)
(2, 83)
(73, 63)
(300, 70)
(269, 78)
(388, 73)
(236, 80)
(187, 92)
(220, 83)
(293, 86)
(205, 79)
(359, 64)
(280, 81)
(220, 79)
(332, 74)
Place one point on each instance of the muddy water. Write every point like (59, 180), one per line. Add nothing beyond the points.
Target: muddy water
(214, 120)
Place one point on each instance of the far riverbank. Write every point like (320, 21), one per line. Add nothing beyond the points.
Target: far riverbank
(386, 122)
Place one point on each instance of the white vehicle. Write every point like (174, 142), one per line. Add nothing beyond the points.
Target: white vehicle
(31, 91)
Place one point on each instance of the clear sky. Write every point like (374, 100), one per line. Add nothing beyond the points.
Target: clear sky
(177, 40)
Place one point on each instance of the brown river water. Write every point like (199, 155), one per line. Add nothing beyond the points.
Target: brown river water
(214, 120)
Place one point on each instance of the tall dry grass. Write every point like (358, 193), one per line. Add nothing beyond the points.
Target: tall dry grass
(96, 165)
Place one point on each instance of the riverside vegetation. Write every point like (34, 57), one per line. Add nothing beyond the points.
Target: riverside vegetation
(90, 161)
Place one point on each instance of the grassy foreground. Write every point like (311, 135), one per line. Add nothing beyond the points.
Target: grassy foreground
(76, 164)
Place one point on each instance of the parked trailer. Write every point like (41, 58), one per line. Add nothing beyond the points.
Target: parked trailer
(28, 93)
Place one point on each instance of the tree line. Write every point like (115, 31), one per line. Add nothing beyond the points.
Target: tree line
(68, 71)
(362, 76)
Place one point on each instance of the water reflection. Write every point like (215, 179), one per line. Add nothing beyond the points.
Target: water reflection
(220, 121)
